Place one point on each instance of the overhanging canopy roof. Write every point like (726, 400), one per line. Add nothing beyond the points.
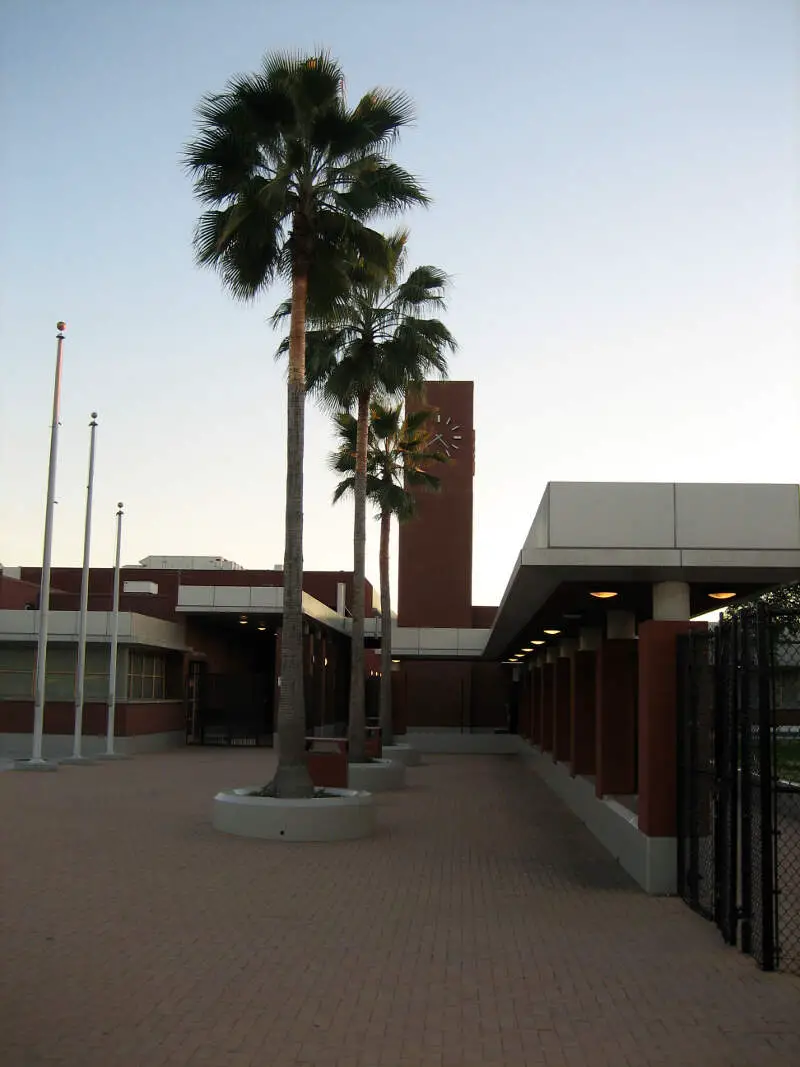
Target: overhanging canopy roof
(627, 535)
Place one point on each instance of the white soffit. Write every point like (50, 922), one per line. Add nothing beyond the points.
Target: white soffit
(648, 531)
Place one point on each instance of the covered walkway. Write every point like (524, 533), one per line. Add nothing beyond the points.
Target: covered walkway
(482, 926)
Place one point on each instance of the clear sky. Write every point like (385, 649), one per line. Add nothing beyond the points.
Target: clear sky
(616, 198)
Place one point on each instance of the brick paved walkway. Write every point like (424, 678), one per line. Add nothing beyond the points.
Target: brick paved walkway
(482, 926)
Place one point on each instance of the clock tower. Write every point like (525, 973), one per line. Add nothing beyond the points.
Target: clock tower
(435, 547)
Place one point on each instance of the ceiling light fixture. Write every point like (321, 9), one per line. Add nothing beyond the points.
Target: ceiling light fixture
(527, 650)
(603, 595)
(552, 633)
(262, 626)
(243, 620)
(721, 596)
(540, 642)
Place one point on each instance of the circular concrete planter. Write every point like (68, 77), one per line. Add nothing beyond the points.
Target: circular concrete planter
(377, 776)
(401, 753)
(343, 815)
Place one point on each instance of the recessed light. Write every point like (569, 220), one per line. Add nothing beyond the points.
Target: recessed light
(603, 596)
(552, 633)
(538, 642)
(721, 596)
(527, 650)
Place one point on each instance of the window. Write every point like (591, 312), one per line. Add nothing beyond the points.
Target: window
(60, 673)
(146, 675)
(18, 666)
(95, 679)
(16, 672)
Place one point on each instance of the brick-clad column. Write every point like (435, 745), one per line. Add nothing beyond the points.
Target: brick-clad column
(582, 712)
(531, 699)
(319, 655)
(561, 709)
(276, 687)
(548, 691)
(399, 683)
(658, 724)
(523, 708)
(536, 704)
(330, 680)
(615, 703)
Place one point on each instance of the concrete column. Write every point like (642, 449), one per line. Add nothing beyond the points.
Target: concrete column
(620, 625)
(671, 601)
(658, 724)
(615, 722)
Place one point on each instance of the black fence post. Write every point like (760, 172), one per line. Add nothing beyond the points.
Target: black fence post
(766, 790)
(682, 794)
(744, 726)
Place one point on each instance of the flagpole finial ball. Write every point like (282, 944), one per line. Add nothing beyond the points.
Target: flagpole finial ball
(61, 325)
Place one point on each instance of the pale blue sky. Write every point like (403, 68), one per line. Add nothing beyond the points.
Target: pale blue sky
(615, 187)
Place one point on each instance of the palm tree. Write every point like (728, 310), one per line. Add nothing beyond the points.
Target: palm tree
(398, 453)
(374, 341)
(291, 176)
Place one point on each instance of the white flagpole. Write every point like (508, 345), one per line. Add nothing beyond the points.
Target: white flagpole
(112, 663)
(36, 762)
(80, 677)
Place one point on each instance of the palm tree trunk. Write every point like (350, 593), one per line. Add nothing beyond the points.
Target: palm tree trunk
(292, 778)
(356, 729)
(387, 732)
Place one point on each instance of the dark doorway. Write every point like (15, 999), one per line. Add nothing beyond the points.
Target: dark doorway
(234, 709)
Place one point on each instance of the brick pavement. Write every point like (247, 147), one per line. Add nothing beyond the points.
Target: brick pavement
(481, 926)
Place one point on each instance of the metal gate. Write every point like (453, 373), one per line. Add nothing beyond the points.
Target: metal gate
(233, 709)
(739, 781)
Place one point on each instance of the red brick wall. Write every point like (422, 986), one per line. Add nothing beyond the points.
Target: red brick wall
(66, 585)
(16, 717)
(435, 548)
(483, 617)
(658, 699)
(489, 695)
(445, 693)
(15, 594)
(158, 717)
(224, 649)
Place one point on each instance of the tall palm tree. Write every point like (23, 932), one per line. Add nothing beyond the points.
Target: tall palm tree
(291, 177)
(399, 451)
(374, 341)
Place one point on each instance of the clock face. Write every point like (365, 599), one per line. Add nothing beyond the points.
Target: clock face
(448, 436)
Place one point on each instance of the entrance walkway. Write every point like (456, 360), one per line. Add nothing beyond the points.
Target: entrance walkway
(482, 926)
